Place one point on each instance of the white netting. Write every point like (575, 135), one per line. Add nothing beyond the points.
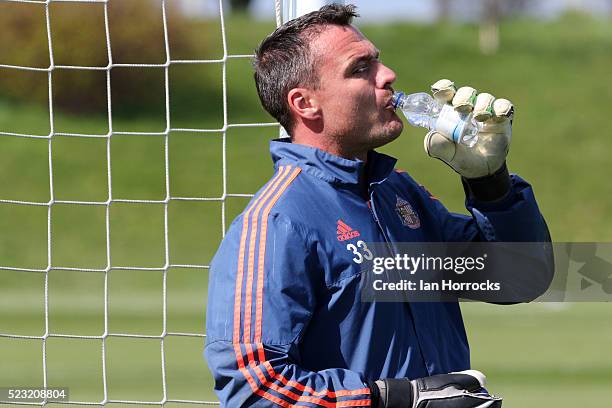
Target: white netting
(110, 266)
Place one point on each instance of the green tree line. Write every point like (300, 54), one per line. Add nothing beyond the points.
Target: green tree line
(79, 38)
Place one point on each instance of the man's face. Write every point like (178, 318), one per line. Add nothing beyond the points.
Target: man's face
(355, 90)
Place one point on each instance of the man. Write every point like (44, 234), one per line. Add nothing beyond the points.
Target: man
(285, 322)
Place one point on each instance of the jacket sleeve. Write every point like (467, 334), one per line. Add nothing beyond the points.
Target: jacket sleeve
(524, 270)
(263, 286)
(515, 218)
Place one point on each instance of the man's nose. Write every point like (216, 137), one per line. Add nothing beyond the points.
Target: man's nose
(386, 76)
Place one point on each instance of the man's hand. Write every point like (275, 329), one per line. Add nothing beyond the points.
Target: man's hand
(463, 389)
(489, 153)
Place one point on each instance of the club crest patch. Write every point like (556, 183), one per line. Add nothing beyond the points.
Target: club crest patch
(407, 214)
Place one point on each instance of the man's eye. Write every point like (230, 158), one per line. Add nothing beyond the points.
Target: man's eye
(361, 69)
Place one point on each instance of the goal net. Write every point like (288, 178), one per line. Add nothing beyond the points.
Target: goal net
(109, 219)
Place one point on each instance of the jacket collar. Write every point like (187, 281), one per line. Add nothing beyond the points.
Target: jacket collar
(330, 168)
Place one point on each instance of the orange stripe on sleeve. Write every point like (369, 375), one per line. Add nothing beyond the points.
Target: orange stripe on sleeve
(262, 252)
(241, 255)
(285, 404)
(248, 301)
(242, 368)
(300, 397)
(310, 390)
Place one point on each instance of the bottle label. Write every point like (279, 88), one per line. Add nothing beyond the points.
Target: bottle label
(450, 124)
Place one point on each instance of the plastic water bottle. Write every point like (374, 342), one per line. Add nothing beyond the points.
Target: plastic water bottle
(421, 109)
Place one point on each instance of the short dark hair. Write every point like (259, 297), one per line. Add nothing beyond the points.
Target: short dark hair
(284, 61)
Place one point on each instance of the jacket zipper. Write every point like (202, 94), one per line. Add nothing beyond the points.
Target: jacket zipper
(372, 208)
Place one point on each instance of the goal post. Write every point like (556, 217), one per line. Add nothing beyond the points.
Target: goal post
(295, 8)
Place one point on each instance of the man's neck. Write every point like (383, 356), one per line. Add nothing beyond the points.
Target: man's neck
(331, 146)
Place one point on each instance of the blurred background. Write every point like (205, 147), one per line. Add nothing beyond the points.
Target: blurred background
(176, 168)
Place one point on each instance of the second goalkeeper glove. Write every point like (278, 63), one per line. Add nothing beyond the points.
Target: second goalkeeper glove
(463, 389)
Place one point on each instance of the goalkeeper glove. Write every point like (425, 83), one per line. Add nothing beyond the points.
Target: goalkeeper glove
(455, 390)
(482, 166)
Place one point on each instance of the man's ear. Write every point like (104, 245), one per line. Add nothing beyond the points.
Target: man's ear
(303, 103)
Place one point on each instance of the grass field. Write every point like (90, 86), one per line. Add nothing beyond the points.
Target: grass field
(534, 355)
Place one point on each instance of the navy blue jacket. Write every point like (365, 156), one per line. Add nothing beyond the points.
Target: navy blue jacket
(285, 322)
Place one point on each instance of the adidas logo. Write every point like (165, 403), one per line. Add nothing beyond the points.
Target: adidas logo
(345, 232)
